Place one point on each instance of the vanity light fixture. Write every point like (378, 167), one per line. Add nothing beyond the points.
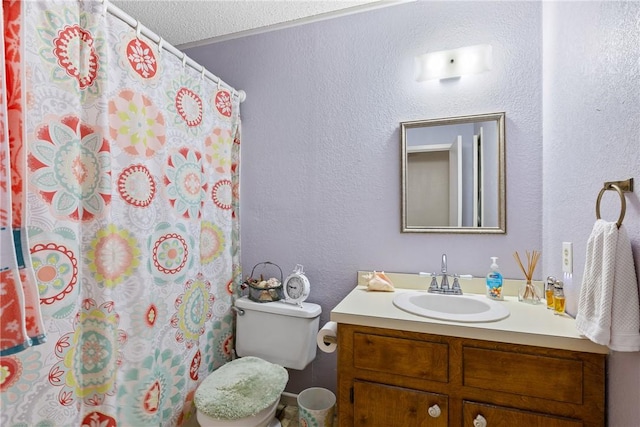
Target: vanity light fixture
(445, 64)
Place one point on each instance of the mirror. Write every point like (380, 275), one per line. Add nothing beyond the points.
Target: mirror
(453, 175)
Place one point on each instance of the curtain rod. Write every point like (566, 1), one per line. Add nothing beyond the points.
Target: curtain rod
(162, 44)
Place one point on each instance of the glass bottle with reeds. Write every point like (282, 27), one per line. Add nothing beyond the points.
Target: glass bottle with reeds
(528, 292)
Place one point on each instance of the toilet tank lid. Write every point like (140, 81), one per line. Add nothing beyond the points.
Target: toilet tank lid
(308, 309)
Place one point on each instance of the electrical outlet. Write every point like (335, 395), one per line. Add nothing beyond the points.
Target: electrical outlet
(567, 257)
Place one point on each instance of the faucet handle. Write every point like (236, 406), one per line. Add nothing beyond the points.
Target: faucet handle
(433, 287)
(456, 289)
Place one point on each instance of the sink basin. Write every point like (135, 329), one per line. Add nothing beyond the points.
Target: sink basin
(456, 308)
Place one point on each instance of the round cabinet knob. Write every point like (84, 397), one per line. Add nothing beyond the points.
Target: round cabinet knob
(434, 411)
(480, 421)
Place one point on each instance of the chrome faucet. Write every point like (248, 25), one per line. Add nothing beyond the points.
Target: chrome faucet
(444, 287)
(444, 283)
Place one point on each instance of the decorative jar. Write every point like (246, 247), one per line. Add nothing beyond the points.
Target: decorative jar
(529, 293)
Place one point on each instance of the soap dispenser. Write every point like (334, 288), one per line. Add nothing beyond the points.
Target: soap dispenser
(494, 281)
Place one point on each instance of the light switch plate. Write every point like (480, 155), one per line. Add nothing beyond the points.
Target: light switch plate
(567, 257)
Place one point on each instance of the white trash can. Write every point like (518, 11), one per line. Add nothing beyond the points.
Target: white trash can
(316, 407)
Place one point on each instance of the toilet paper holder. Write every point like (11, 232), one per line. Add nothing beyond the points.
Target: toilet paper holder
(329, 340)
(326, 339)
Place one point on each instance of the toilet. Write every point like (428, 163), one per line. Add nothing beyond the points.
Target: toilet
(269, 338)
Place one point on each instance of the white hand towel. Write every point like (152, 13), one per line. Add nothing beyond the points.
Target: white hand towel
(609, 306)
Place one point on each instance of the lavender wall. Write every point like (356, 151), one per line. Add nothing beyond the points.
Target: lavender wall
(320, 163)
(592, 135)
(321, 148)
(321, 141)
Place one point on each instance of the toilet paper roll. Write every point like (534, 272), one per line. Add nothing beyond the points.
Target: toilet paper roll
(330, 329)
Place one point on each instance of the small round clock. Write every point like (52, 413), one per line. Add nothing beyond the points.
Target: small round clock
(296, 286)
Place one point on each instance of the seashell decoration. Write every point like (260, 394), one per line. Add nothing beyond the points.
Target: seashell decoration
(379, 281)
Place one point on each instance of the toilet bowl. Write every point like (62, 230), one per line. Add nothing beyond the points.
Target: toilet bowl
(269, 338)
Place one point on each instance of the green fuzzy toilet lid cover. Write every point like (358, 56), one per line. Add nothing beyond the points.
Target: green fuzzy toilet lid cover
(241, 388)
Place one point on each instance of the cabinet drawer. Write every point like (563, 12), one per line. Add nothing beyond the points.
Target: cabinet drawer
(497, 416)
(409, 358)
(379, 405)
(540, 376)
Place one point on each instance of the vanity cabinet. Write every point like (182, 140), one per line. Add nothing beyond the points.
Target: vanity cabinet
(392, 378)
(407, 407)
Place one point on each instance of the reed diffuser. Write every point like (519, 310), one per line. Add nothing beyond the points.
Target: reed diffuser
(528, 292)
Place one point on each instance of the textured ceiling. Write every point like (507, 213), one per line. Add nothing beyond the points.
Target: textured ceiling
(194, 22)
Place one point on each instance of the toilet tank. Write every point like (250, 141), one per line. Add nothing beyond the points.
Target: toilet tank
(280, 333)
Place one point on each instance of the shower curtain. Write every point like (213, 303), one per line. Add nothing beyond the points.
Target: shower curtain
(119, 196)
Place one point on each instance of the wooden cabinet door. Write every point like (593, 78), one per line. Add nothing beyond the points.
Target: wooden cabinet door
(496, 416)
(378, 405)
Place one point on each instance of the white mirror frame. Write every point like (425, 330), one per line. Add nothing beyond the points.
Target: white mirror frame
(501, 227)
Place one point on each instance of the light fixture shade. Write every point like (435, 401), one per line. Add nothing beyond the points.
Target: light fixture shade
(454, 63)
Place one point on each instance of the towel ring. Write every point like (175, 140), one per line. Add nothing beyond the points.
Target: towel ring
(623, 202)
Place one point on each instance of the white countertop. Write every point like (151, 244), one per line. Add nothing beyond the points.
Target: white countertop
(527, 324)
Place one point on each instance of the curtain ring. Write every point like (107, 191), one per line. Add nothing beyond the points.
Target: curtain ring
(160, 43)
(623, 203)
(138, 29)
(105, 4)
(184, 60)
(202, 73)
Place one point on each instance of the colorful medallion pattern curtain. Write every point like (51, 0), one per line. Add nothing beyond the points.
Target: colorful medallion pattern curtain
(119, 189)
